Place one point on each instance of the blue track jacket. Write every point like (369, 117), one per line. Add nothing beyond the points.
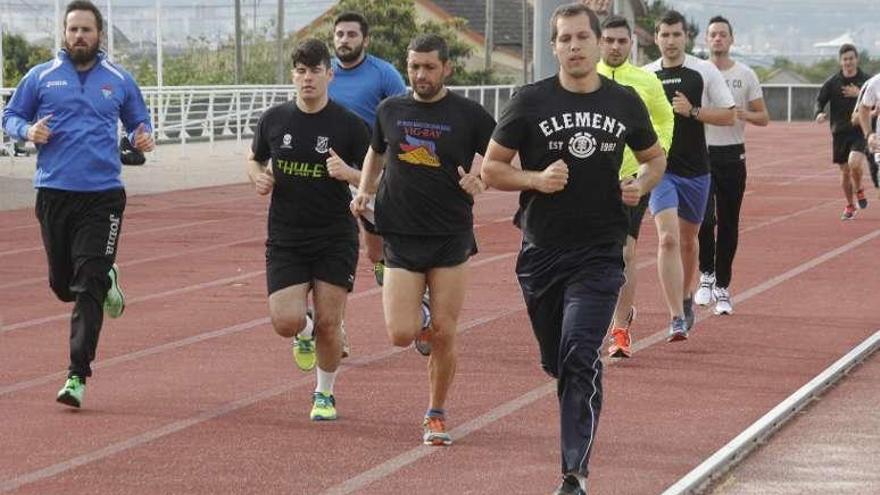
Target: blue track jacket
(82, 153)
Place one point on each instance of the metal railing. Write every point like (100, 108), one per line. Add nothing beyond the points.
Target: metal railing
(205, 113)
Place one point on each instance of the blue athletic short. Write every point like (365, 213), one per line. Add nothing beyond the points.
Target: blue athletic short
(688, 194)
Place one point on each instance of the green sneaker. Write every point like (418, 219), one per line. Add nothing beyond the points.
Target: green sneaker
(323, 407)
(379, 272)
(72, 392)
(114, 301)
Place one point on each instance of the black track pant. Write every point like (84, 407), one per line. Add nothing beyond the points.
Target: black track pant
(728, 166)
(80, 233)
(570, 295)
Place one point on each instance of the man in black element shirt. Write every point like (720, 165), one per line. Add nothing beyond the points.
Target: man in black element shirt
(570, 131)
(313, 239)
(841, 90)
(424, 211)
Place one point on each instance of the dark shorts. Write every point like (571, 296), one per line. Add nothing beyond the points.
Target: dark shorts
(635, 214)
(328, 259)
(419, 253)
(369, 226)
(844, 143)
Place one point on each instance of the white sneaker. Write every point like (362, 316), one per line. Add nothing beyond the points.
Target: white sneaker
(703, 297)
(723, 305)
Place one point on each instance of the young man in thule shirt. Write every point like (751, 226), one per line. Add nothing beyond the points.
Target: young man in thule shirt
(570, 131)
(316, 147)
(699, 96)
(847, 143)
(424, 212)
(727, 155)
(70, 108)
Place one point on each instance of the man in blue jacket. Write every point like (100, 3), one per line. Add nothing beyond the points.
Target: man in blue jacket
(69, 107)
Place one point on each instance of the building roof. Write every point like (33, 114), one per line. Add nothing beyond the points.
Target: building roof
(508, 18)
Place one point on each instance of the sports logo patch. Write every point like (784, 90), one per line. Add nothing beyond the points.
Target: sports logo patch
(582, 145)
(323, 144)
(107, 90)
(285, 141)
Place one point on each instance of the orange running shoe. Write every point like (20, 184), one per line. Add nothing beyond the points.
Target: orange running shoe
(435, 432)
(620, 342)
(621, 339)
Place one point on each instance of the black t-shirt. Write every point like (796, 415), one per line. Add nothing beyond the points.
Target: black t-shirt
(426, 143)
(306, 201)
(842, 106)
(545, 122)
(704, 86)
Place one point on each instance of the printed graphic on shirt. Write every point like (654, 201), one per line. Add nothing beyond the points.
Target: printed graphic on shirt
(419, 152)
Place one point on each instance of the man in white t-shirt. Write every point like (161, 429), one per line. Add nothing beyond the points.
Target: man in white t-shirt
(727, 160)
(870, 99)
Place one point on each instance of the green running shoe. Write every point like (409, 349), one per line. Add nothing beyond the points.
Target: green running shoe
(379, 272)
(72, 392)
(304, 353)
(114, 301)
(323, 407)
(304, 347)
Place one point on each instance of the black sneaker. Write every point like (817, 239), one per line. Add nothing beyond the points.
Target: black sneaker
(688, 305)
(677, 330)
(569, 486)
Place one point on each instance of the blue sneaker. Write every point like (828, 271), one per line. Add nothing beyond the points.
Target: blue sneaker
(677, 330)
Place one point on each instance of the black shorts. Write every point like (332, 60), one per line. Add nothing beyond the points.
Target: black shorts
(420, 253)
(635, 215)
(331, 259)
(369, 226)
(845, 142)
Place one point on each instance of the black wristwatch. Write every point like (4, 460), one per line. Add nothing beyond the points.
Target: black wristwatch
(694, 112)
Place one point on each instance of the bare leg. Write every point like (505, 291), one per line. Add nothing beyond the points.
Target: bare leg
(287, 309)
(628, 290)
(447, 297)
(669, 263)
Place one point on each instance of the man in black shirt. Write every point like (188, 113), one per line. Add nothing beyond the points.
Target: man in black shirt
(424, 211)
(570, 131)
(313, 241)
(699, 95)
(848, 144)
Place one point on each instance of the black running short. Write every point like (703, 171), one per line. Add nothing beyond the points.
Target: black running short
(635, 214)
(418, 253)
(328, 259)
(845, 142)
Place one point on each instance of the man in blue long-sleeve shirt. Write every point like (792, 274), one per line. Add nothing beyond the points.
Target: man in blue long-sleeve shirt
(70, 108)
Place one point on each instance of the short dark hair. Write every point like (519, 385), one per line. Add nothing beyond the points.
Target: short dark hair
(571, 10)
(847, 47)
(671, 18)
(722, 19)
(616, 21)
(311, 52)
(430, 42)
(85, 5)
(353, 17)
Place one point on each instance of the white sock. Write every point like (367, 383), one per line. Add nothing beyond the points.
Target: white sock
(582, 480)
(325, 381)
(307, 330)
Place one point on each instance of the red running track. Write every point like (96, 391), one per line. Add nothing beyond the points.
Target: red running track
(194, 393)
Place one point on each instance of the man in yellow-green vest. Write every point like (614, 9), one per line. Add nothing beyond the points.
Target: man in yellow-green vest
(615, 46)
